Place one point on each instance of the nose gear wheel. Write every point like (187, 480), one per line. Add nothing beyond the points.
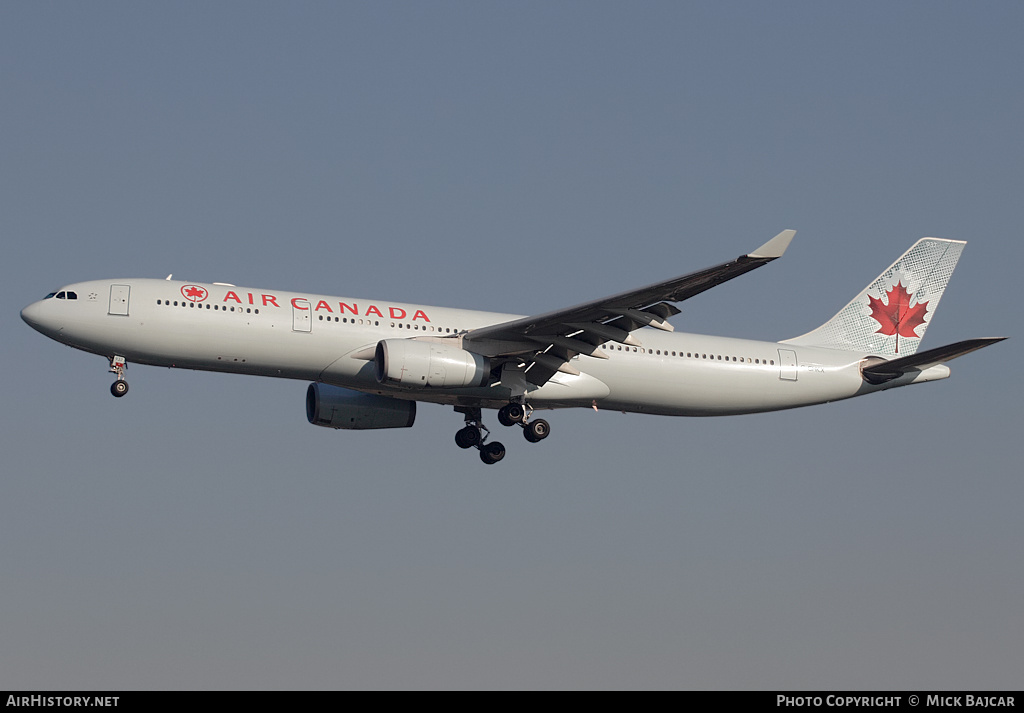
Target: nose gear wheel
(117, 366)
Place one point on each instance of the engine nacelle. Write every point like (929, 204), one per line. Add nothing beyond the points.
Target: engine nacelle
(334, 407)
(412, 363)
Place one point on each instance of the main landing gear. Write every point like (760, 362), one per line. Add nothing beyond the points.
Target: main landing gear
(515, 413)
(117, 366)
(475, 433)
(472, 436)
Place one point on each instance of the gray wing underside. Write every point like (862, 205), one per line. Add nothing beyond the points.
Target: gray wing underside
(545, 343)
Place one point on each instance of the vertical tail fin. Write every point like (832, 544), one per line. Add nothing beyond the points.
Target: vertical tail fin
(890, 316)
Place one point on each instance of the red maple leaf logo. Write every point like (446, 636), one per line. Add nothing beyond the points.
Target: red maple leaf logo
(193, 293)
(898, 317)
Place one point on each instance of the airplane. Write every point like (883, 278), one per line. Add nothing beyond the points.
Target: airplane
(370, 361)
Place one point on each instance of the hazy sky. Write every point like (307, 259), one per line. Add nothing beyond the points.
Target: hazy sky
(516, 157)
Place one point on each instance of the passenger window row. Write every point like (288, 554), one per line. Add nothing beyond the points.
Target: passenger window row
(322, 318)
(221, 308)
(347, 320)
(394, 325)
(690, 355)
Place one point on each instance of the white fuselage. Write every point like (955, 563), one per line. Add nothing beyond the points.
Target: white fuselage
(242, 330)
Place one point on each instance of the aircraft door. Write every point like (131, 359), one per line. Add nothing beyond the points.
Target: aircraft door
(119, 299)
(302, 320)
(788, 360)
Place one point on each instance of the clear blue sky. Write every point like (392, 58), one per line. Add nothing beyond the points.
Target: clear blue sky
(516, 157)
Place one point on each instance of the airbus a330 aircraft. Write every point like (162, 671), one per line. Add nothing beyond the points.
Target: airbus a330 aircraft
(370, 361)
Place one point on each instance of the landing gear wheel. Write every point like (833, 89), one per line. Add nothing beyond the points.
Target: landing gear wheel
(117, 366)
(511, 414)
(492, 452)
(536, 431)
(466, 437)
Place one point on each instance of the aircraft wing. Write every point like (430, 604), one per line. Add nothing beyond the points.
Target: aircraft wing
(545, 343)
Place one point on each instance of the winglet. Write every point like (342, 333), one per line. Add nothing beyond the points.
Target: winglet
(774, 247)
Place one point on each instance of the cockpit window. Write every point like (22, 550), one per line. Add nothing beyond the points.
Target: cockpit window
(50, 296)
(72, 295)
(61, 295)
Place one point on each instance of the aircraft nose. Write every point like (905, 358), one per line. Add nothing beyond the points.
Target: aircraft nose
(31, 315)
(35, 316)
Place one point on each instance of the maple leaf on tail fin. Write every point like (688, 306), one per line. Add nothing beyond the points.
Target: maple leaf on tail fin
(874, 325)
(898, 317)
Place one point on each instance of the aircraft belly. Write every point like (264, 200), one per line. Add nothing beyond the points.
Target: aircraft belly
(561, 390)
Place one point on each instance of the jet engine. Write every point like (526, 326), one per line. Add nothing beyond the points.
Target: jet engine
(334, 407)
(412, 363)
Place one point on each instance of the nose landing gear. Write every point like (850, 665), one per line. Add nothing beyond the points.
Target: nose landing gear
(117, 366)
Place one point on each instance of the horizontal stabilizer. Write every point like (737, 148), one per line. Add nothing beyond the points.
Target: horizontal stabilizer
(883, 371)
